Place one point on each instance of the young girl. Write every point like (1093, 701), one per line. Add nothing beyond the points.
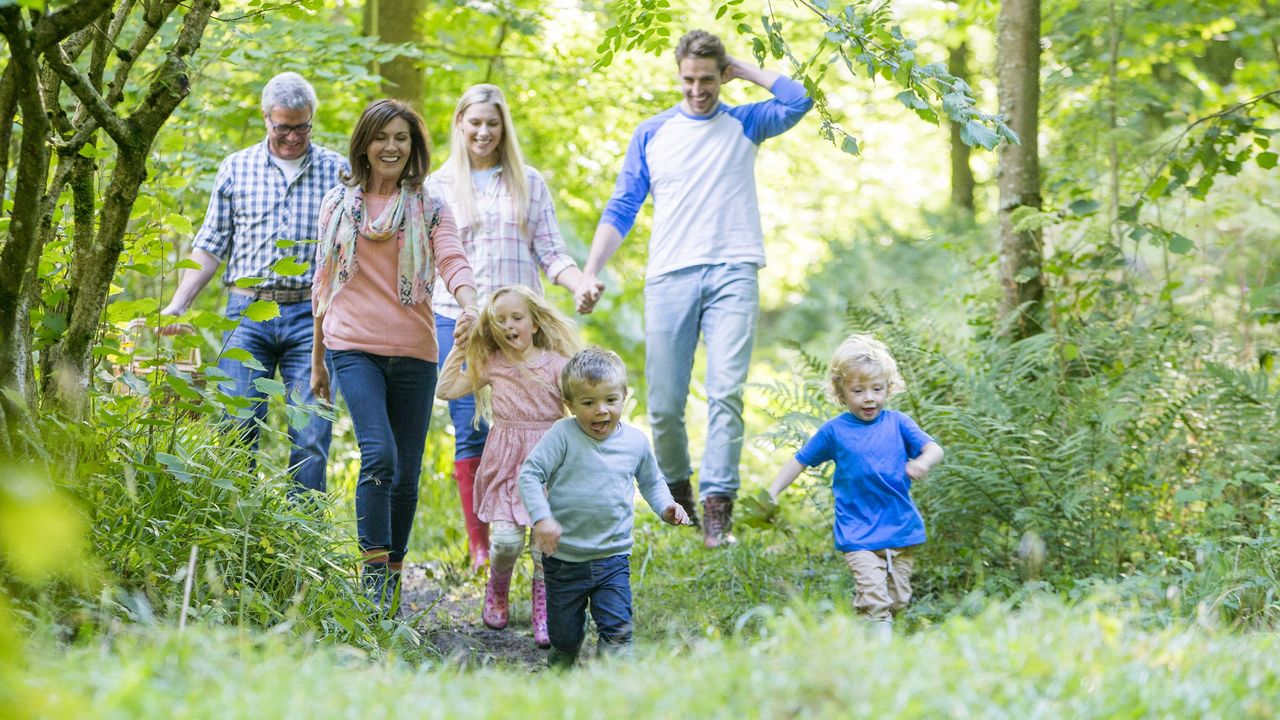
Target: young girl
(513, 357)
(877, 453)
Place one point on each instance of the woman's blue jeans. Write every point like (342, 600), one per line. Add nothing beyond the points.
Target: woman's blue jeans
(390, 403)
(468, 440)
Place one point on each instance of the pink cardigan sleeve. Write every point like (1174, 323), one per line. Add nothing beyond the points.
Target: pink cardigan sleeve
(446, 248)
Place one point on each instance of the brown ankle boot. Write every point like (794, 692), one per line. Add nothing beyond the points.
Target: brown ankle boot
(717, 516)
(682, 492)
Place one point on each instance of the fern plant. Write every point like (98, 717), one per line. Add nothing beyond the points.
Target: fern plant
(1094, 450)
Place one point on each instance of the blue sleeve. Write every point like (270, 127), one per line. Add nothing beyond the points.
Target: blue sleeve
(214, 236)
(764, 120)
(913, 438)
(632, 186)
(820, 448)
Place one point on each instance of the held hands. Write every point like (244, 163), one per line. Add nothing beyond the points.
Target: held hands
(675, 515)
(470, 315)
(588, 294)
(546, 535)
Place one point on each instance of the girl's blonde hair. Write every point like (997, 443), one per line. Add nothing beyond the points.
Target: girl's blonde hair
(509, 158)
(555, 333)
(864, 356)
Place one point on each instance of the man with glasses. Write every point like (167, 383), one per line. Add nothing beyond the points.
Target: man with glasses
(262, 219)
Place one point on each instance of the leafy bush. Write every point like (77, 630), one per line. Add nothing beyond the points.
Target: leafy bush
(163, 489)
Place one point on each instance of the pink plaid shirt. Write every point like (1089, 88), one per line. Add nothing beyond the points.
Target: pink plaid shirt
(498, 253)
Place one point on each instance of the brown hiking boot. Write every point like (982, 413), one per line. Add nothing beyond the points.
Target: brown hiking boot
(717, 516)
(682, 492)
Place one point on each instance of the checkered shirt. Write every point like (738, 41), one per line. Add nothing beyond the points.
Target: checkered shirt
(253, 206)
(499, 253)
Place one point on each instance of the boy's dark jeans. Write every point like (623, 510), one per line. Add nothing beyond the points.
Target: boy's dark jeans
(606, 584)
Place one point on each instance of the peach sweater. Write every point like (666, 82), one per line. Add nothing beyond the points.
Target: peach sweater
(366, 314)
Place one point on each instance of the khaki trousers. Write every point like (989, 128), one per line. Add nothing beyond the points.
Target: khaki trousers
(883, 580)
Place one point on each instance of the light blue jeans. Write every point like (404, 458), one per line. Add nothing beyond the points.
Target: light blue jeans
(721, 303)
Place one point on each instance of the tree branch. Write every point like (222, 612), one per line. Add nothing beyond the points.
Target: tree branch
(8, 107)
(171, 83)
(153, 19)
(53, 29)
(89, 98)
(33, 166)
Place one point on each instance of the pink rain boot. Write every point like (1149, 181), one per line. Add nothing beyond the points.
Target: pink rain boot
(495, 599)
(538, 593)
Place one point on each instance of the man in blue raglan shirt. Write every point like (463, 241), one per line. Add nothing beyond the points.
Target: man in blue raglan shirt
(698, 160)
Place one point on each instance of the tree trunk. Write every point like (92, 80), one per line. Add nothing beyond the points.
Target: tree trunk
(42, 60)
(398, 21)
(1018, 78)
(962, 183)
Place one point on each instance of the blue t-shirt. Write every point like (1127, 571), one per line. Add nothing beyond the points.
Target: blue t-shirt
(872, 491)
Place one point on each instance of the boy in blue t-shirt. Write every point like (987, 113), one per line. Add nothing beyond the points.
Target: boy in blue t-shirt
(877, 453)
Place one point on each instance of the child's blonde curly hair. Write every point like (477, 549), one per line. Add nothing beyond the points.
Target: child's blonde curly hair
(863, 355)
(555, 333)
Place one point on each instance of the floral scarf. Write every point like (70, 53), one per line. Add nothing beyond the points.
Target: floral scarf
(411, 216)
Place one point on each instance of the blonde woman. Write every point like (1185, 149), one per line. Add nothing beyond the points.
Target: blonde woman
(508, 228)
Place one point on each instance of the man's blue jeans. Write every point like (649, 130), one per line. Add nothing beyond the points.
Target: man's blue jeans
(282, 343)
(390, 403)
(606, 585)
(468, 440)
(721, 303)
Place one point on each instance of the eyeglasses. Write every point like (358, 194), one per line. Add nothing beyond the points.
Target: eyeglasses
(287, 130)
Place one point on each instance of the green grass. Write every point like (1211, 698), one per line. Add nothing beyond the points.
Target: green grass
(1044, 660)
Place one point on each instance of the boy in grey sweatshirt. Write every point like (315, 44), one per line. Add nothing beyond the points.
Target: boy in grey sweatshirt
(578, 485)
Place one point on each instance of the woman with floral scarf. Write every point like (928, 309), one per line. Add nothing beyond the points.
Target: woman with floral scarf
(382, 241)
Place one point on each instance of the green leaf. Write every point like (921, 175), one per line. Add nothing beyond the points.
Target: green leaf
(269, 386)
(187, 264)
(912, 100)
(1026, 274)
(975, 134)
(1070, 352)
(261, 310)
(849, 145)
(1267, 160)
(1180, 244)
(288, 266)
(1083, 207)
(244, 357)
(246, 282)
(1129, 213)
(178, 223)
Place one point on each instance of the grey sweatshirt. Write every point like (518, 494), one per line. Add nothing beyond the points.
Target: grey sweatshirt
(589, 487)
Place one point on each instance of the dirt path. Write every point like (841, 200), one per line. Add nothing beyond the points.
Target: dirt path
(452, 621)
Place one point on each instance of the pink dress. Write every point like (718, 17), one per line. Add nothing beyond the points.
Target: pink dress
(526, 401)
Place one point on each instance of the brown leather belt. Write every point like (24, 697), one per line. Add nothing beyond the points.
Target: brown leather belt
(291, 295)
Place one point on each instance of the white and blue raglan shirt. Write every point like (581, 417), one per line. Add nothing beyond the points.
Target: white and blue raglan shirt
(701, 171)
